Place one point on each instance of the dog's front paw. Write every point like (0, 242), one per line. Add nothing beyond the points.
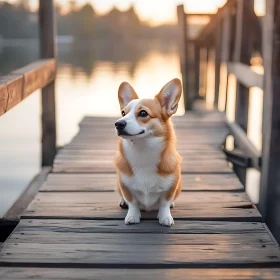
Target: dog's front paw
(133, 217)
(164, 217)
(166, 221)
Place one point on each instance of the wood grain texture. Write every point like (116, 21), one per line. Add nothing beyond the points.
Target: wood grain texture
(77, 242)
(245, 75)
(100, 205)
(134, 255)
(118, 226)
(107, 182)
(48, 49)
(22, 82)
(128, 274)
(37, 75)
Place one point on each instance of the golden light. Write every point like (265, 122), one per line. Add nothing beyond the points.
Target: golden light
(154, 12)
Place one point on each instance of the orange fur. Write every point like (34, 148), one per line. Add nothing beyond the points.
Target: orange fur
(123, 190)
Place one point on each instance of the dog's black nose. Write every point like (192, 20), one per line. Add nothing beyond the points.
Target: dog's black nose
(120, 125)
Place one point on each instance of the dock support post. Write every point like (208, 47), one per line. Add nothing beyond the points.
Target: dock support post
(48, 50)
(270, 179)
(183, 46)
(242, 53)
(218, 50)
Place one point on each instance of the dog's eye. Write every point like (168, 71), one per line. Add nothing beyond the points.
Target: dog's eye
(123, 113)
(143, 114)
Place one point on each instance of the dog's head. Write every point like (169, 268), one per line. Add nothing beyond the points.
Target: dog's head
(146, 117)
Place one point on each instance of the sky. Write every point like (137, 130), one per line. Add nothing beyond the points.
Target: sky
(154, 12)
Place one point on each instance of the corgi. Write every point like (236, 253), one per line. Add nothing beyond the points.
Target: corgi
(147, 163)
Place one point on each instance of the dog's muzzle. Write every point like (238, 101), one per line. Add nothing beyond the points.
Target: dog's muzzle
(120, 126)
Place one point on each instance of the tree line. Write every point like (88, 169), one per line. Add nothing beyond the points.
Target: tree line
(16, 21)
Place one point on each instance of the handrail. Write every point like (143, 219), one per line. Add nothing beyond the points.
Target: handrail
(245, 75)
(22, 82)
(40, 74)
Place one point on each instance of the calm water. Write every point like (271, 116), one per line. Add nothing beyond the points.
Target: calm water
(87, 82)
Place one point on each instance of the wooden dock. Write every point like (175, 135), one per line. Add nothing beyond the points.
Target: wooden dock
(74, 228)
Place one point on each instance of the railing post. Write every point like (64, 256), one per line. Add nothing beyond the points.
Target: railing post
(242, 53)
(196, 69)
(218, 49)
(183, 47)
(270, 178)
(225, 49)
(48, 50)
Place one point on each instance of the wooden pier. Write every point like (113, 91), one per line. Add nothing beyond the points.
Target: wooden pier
(74, 227)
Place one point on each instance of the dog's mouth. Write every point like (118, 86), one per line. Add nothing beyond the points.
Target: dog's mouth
(124, 133)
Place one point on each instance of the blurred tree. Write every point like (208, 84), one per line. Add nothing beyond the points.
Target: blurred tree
(82, 23)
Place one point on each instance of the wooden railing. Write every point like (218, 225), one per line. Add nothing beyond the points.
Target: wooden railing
(40, 74)
(233, 35)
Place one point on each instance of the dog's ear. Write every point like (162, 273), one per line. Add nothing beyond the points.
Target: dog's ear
(169, 97)
(126, 94)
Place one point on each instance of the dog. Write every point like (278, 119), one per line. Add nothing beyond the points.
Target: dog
(147, 162)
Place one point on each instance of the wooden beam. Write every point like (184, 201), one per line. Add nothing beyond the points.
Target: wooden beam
(210, 27)
(37, 75)
(226, 35)
(245, 75)
(15, 212)
(183, 44)
(218, 50)
(242, 53)
(48, 50)
(270, 180)
(24, 81)
(245, 144)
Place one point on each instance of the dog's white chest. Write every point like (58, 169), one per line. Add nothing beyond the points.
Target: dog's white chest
(146, 184)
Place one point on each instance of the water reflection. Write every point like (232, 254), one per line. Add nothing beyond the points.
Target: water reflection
(87, 82)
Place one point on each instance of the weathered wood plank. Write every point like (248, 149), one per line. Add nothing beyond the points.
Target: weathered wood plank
(48, 49)
(150, 256)
(107, 182)
(48, 237)
(21, 273)
(95, 243)
(106, 166)
(10, 91)
(22, 82)
(37, 75)
(245, 74)
(14, 213)
(104, 205)
(118, 226)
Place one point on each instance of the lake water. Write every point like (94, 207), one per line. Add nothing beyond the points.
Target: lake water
(87, 81)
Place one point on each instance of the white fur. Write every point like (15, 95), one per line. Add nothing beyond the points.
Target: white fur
(146, 185)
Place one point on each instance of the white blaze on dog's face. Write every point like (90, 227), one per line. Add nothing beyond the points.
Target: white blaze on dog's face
(146, 117)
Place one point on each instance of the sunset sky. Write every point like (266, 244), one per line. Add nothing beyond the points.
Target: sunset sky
(153, 11)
